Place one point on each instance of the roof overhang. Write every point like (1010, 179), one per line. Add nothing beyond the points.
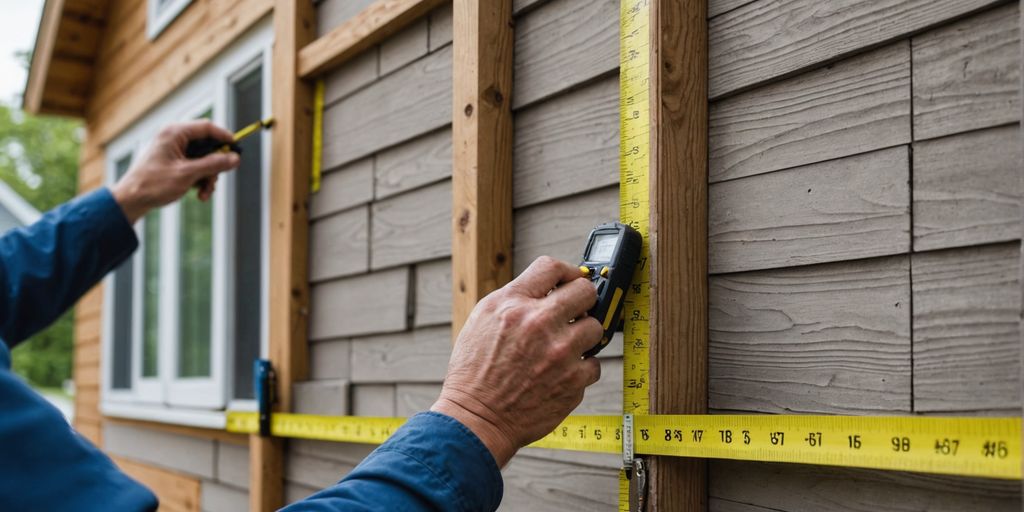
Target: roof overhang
(60, 78)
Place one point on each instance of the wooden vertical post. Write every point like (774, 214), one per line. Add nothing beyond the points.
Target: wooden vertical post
(679, 293)
(481, 153)
(291, 147)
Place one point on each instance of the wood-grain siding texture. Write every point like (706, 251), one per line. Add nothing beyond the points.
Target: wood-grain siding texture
(864, 212)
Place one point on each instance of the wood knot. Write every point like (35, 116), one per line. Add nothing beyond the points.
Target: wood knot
(493, 96)
(462, 286)
(469, 110)
(463, 221)
(500, 259)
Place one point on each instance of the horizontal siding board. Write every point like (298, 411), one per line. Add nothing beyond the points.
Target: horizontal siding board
(433, 293)
(559, 229)
(342, 189)
(407, 45)
(831, 338)
(373, 400)
(967, 305)
(315, 472)
(339, 308)
(186, 454)
(441, 27)
(858, 105)
(566, 145)
(967, 189)
(415, 398)
(421, 161)
(324, 397)
(233, 465)
(561, 44)
(768, 39)
(339, 245)
(218, 498)
(536, 484)
(331, 13)
(330, 360)
(297, 492)
(967, 75)
(718, 7)
(415, 356)
(409, 102)
(412, 227)
(351, 76)
(798, 487)
(348, 453)
(855, 207)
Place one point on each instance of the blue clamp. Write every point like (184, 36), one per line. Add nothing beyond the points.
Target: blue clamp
(264, 382)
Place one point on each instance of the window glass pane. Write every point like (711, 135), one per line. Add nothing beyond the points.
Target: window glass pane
(121, 339)
(195, 274)
(247, 108)
(151, 294)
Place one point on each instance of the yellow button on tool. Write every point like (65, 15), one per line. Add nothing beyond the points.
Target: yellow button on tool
(586, 270)
(604, 271)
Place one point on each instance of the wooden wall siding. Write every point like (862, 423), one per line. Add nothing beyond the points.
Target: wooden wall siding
(717, 7)
(413, 356)
(416, 163)
(340, 308)
(330, 360)
(433, 293)
(967, 189)
(858, 105)
(561, 44)
(407, 45)
(86, 365)
(829, 338)
(351, 76)
(217, 497)
(850, 208)
(409, 102)
(331, 13)
(967, 305)
(768, 39)
(352, 185)
(314, 465)
(373, 400)
(412, 227)
(184, 454)
(411, 399)
(567, 145)
(176, 492)
(440, 27)
(232, 465)
(536, 484)
(560, 228)
(339, 245)
(328, 397)
(799, 488)
(967, 74)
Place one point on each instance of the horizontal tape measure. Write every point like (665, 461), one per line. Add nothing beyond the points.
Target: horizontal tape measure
(979, 447)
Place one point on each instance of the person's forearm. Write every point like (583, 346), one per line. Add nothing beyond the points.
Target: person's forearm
(47, 266)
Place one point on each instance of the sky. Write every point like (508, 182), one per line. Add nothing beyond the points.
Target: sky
(18, 26)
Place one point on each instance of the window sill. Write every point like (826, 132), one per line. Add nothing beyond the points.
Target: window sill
(159, 414)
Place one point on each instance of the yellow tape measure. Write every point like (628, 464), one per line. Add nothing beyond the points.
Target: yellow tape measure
(318, 136)
(980, 447)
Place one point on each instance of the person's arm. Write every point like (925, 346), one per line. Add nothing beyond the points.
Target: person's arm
(516, 372)
(47, 266)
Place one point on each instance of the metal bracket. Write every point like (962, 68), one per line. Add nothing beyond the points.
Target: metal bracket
(638, 486)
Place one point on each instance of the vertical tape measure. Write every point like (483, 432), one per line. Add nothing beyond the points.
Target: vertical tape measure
(635, 206)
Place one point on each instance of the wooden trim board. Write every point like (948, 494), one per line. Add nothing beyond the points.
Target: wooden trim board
(291, 153)
(482, 153)
(679, 264)
(371, 26)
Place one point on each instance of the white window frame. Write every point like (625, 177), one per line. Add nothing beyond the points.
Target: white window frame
(168, 397)
(158, 18)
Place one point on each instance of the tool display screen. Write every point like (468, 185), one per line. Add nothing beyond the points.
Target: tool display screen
(603, 247)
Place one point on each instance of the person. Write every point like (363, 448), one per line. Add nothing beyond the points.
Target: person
(515, 372)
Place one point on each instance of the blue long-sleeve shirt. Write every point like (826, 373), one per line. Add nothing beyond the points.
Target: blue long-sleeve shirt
(431, 463)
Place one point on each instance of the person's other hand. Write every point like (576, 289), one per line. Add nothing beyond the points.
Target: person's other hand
(517, 370)
(163, 175)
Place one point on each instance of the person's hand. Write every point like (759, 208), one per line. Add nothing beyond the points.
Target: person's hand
(517, 370)
(163, 175)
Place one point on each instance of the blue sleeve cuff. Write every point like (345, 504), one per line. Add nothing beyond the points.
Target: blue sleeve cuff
(455, 455)
(113, 232)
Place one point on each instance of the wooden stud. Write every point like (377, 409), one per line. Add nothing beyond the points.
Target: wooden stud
(291, 149)
(679, 295)
(481, 153)
(371, 26)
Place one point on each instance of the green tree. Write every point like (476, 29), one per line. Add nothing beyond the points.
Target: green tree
(39, 160)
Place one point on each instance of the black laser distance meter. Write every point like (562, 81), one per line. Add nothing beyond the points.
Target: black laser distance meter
(609, 260)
